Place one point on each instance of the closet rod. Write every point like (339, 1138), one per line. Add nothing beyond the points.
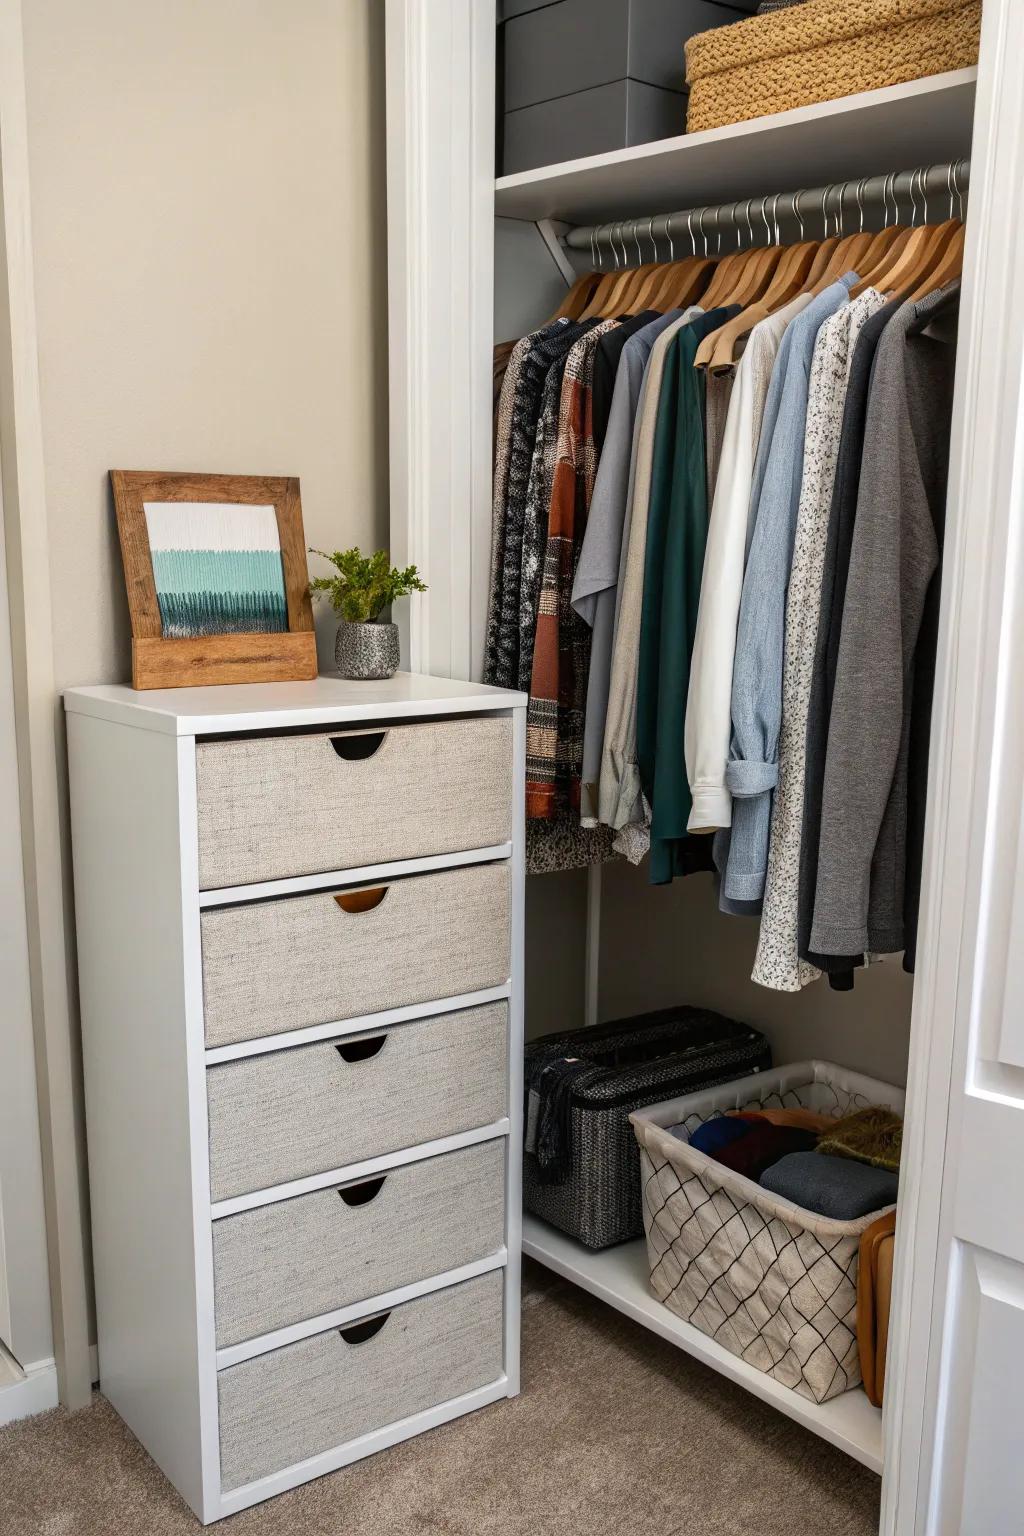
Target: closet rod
(929, 186)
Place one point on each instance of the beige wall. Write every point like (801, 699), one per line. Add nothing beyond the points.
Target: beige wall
(662, 945)
(207, 182)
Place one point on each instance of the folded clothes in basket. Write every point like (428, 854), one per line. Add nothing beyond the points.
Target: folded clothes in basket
(763, 1146)
(835, 1187)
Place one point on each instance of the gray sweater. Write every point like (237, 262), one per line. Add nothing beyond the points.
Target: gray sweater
(859, 898)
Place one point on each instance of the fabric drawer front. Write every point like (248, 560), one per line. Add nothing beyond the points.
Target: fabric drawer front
(290, 1114)
(273, 966)
(307, 1398)
(274, 807)
(301, 1258)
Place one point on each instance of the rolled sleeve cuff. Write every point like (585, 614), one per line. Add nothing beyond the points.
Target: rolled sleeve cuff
(746, 777)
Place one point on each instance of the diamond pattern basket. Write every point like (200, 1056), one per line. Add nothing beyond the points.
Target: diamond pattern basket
(772, 1282)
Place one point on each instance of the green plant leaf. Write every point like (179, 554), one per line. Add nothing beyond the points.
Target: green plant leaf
(365, 584)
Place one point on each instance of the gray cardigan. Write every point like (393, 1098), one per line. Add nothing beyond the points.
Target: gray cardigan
(897, 535)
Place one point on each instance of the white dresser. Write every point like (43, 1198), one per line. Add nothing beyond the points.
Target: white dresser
(299, 910)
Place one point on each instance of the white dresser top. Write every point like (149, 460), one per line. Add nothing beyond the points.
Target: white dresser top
(274, 706)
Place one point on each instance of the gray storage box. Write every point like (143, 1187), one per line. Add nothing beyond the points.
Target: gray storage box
(609, 117)
(581, 77)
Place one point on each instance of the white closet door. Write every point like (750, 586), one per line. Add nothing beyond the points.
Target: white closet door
(957, 1362)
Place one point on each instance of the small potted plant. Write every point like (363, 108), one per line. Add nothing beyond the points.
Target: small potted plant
(366, 647)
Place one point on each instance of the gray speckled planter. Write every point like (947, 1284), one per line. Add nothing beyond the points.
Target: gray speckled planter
(367, 652)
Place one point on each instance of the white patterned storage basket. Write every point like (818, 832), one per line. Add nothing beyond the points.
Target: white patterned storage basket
(768, 1280)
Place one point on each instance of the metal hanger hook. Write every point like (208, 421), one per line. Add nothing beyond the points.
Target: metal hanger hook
(650, 236)
(775, 219)
(764, 215)
(797, 214)
(668, 237)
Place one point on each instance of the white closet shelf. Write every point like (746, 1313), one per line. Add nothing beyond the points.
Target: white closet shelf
(620, 1277)
(922, 122)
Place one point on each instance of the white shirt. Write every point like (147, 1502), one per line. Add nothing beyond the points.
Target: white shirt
(709, 701)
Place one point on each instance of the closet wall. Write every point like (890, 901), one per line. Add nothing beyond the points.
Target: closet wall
(669, 944)
(207, 198)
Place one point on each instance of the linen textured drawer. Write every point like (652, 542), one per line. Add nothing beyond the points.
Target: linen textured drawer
(289, 1114)
(297, 1259)
(278, 806)
(273, 966)
(296, 1402)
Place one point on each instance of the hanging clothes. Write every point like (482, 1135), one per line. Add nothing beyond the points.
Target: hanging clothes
(606, 369)
(752, 771)
(709, 699)
(831, 597)
(555, 714)
(533, 540)
(777, 963)
(674, 561)
(523, 386)
(597, 575)
(620, 797)
(897, 543)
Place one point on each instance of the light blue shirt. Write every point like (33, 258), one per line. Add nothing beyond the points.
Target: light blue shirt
(753, 768)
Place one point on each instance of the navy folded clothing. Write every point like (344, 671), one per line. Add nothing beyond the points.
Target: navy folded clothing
(715, 1134)
(831, 1186)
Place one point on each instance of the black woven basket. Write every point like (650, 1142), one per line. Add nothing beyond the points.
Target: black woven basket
(629, 1063)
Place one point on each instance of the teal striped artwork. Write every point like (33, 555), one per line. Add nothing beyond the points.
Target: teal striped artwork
(217, 568)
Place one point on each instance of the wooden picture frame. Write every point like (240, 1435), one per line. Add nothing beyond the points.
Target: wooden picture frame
(159, 661)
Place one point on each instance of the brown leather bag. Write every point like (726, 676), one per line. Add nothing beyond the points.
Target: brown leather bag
(874, 1298)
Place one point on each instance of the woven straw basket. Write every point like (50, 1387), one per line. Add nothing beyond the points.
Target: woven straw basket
(822, 50)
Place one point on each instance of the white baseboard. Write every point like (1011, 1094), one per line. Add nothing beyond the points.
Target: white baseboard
(35, 1393)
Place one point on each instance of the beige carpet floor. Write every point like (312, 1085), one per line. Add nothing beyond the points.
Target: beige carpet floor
(615, 1434)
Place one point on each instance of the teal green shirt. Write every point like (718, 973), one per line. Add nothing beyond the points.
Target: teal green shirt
(677, 530)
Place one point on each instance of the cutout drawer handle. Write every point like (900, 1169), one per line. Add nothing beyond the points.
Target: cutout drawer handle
(361, 901)
(360, 1050)
(356, 749)
(366, 1329)
(363, 1193)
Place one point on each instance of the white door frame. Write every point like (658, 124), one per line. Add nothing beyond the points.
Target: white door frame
(440, 158)
(36, 711)
(440, 197)
(964, 959)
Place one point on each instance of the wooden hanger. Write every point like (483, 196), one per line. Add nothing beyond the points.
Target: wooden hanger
(649, 279)
(904, 270)
(913, 263)
(687, 284)
(752, 282)
(789, 280)
(881, 258)
(949, 266)
(575, 301)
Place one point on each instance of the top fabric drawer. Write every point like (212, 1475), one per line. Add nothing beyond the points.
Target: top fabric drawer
(276, 806)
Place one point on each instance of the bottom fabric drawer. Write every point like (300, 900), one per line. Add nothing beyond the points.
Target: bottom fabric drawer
(306, 1398)
(282, 1263)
